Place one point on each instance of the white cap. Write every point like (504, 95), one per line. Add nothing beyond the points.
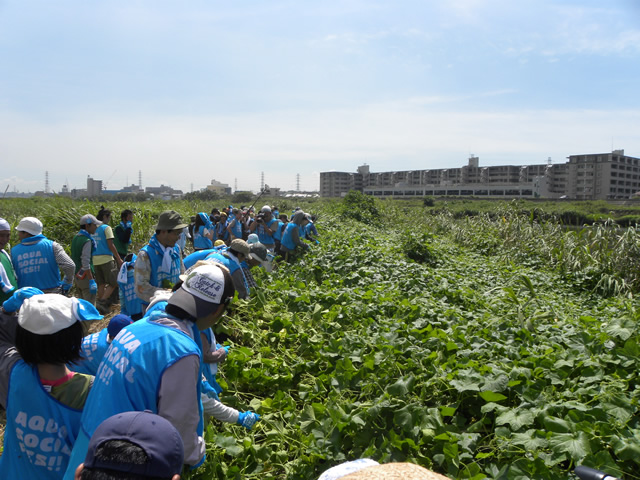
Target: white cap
(266, 209)
(201, 291)
(253, 238)
(49, 313)
(30, 225)
(89, 219)
(4, 225)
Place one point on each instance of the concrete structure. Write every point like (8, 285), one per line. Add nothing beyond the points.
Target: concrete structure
(598, 176)
(219, 187)
(593, 176)
(94, 187)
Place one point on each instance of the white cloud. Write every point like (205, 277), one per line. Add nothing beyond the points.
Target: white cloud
(181, 150)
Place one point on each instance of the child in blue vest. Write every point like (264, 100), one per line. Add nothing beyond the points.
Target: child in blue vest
(94, 346)
(130, 303)
(43, 398)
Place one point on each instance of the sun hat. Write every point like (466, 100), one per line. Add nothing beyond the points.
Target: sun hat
(154, 434)
(394, 471)
(253, 238)
(201, 291)
(258, 252)
(89, 219)
(4, 225)
(117, 323)
(170, 220)
(49, 313)
(30, 225)
(240, 246)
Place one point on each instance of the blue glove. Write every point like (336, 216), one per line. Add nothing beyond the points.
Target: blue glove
(93, 286)
(128, 225)
(226, 348)
(15, 301)
(247, 419)
(66, 287)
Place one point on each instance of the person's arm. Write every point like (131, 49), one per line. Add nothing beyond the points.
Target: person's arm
(64, 263)
(230, 229)
(112, 247)
(142, 275)
(220, 411)
(238, 282)
(295, 237)
(85, 259)
(178, 402)
(209, 355)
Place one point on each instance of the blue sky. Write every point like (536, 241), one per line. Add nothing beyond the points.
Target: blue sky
(190, 91)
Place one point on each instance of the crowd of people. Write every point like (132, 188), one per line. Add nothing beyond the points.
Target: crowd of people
(74, 401)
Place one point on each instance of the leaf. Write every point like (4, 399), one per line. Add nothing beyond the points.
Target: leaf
(489, 396)
(402, 386)
(516, 418)
(529, 440)
(555, 424)
(575, 444)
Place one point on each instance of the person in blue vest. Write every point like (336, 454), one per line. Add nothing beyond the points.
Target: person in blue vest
(94, 346)
(221, 228)
(43, 398)
(203, 232)
(281, 221)
(156, 364)
(310, 230)
(235, 223)
(8, 281)
(159, 263)
(106, 262)
(130, 303)
(191, 259)
(132, 445)
(265, 226)
(232, 259)
(212, 354)
(291, 240)
(37, 260)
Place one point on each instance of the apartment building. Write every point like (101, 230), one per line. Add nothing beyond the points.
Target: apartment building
(592, 176)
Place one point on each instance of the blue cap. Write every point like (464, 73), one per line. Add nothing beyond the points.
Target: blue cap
(155, 435)
(117, 323)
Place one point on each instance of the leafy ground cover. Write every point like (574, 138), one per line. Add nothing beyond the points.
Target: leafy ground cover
(470, 363)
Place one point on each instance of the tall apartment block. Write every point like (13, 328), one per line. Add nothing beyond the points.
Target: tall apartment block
(584, 177)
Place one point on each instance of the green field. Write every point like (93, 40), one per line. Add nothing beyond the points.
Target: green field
(481, 340)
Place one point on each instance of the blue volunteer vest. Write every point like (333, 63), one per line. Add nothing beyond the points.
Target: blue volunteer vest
(262, 236)
(237, 229)
(221, 231)
(40, 431)
(35, 263)
(278, 233)
(129, 376)
(94, 347)
(155, 257)
(210, 385)
(287, 241)
(130, 303)
(226, 261)
(102, 247)
(199, 240)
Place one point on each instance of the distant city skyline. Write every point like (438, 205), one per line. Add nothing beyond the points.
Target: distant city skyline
(193, 91)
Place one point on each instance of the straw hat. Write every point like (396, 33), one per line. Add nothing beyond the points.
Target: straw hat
(394, 471)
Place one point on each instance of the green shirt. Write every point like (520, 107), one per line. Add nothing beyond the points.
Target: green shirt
(11, 275)
(77, 245)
